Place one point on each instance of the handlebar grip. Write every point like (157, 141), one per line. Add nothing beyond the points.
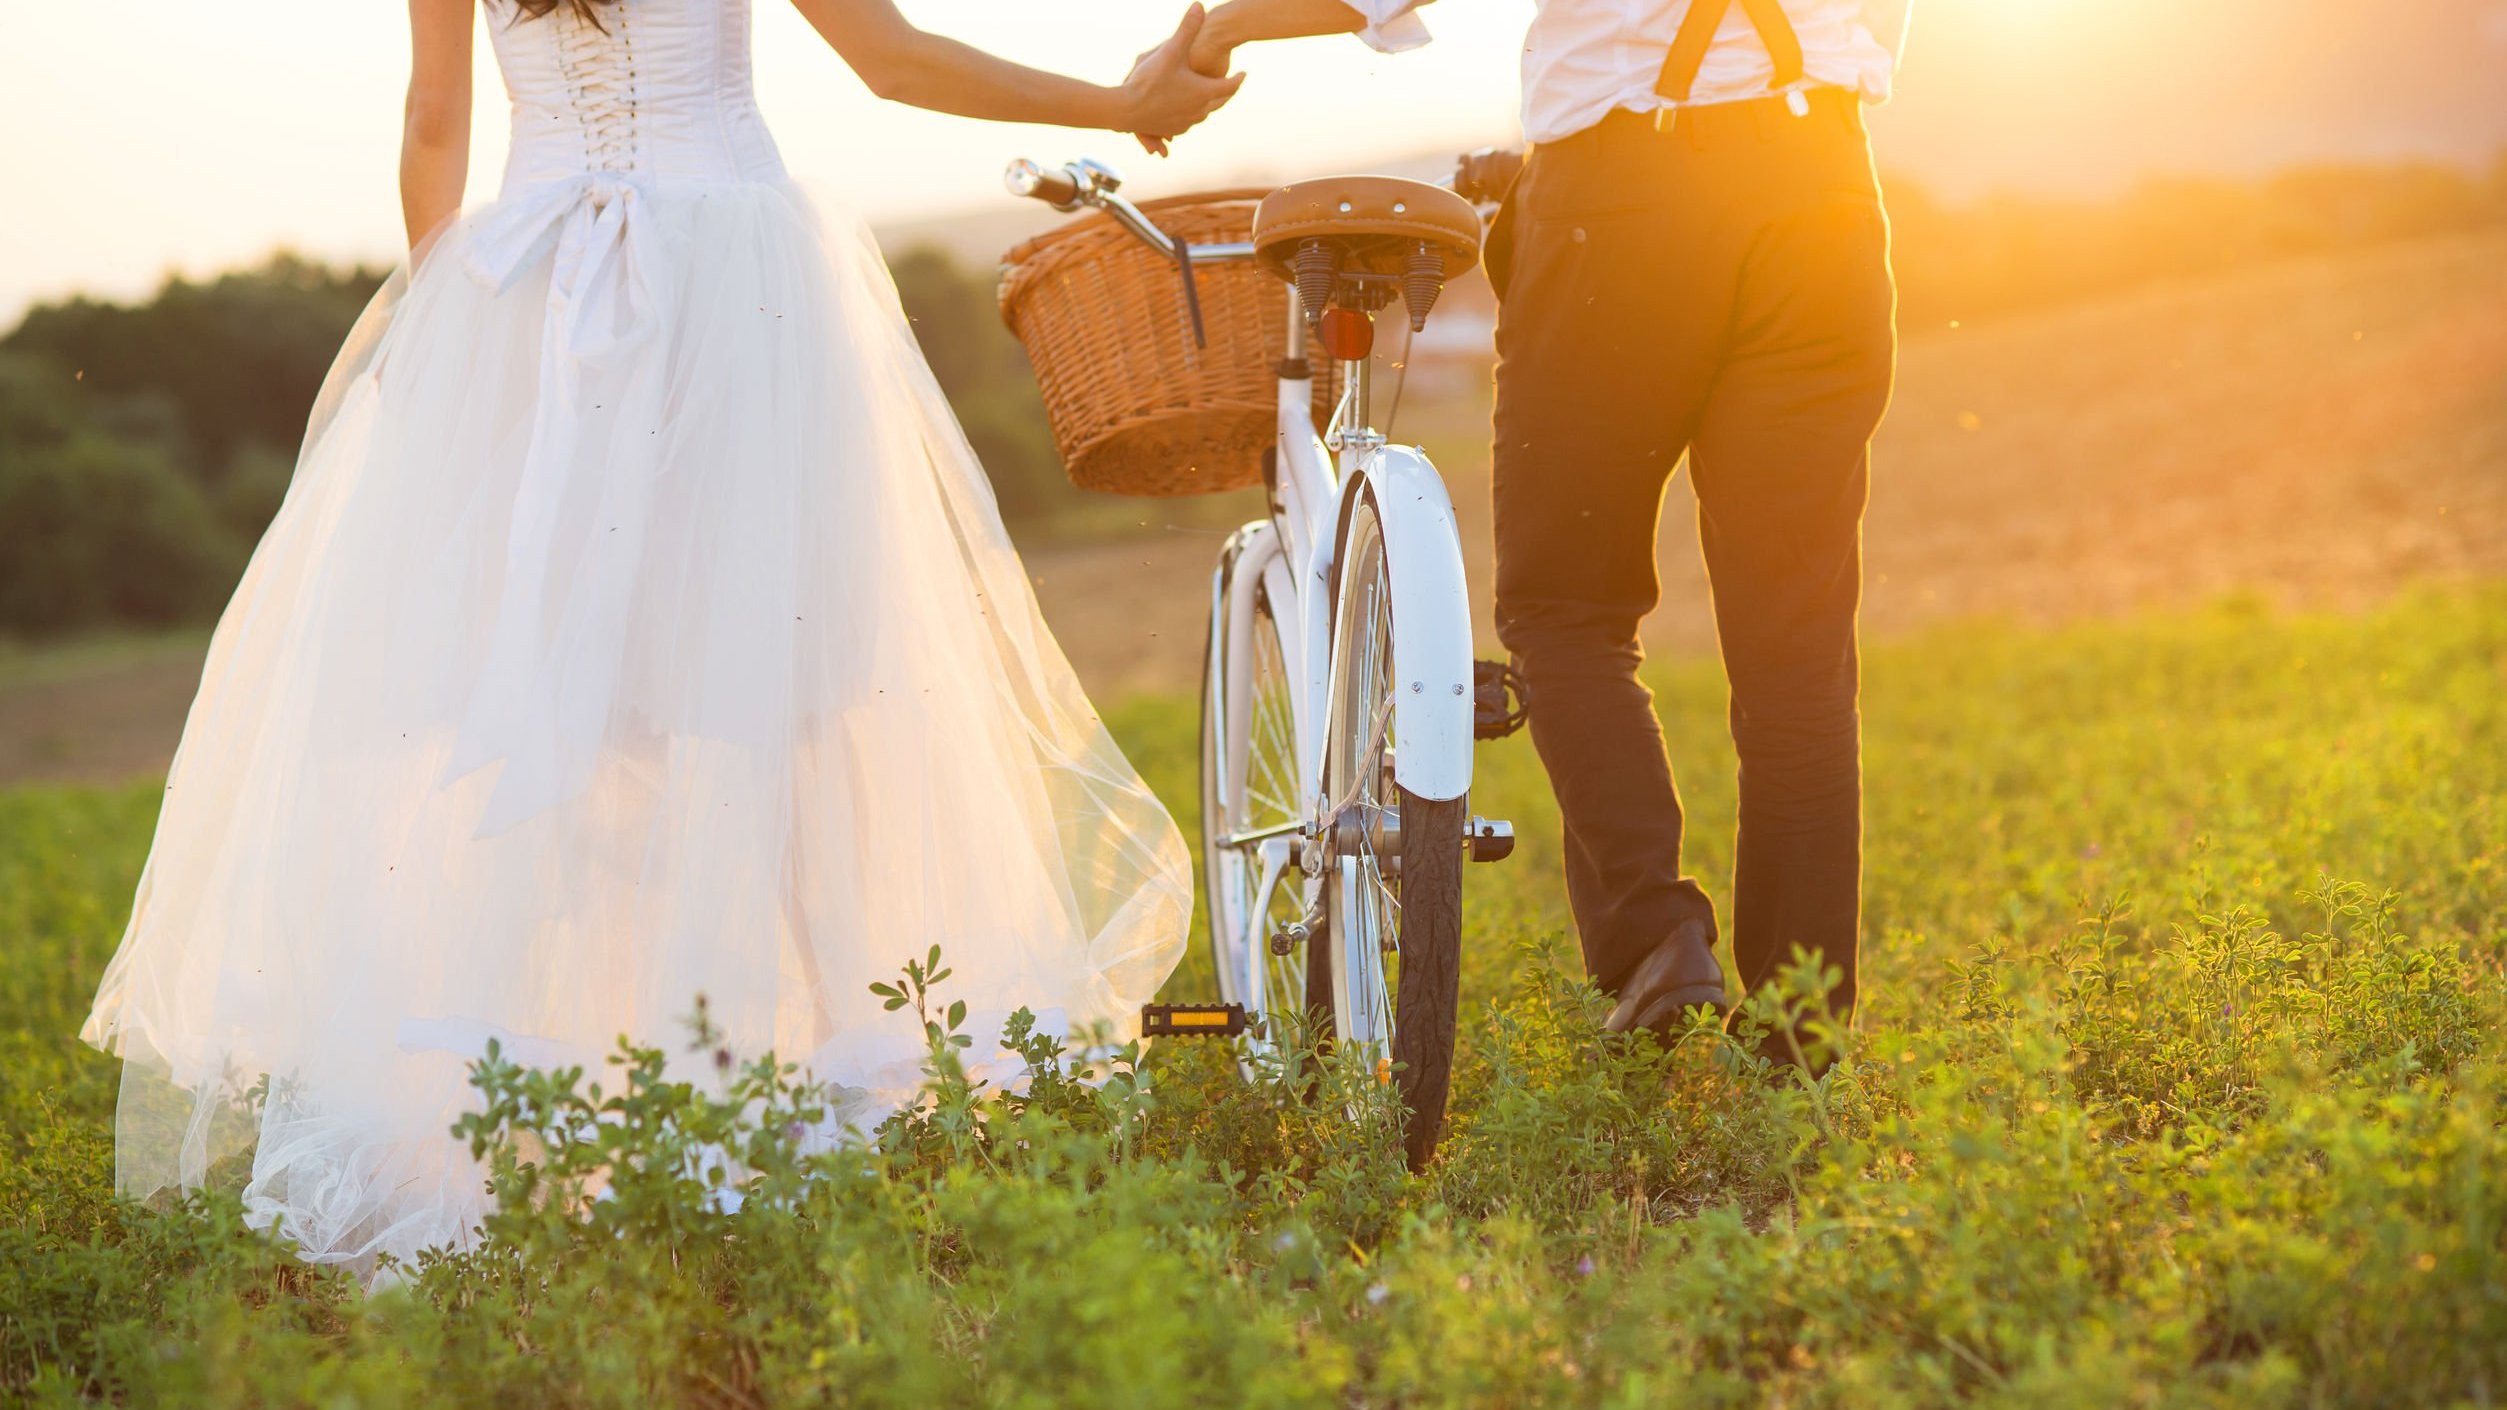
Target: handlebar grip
(1485, 175)
(1055, 186)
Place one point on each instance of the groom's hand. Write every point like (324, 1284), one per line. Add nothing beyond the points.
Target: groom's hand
(1168, 93)
(1213, 45)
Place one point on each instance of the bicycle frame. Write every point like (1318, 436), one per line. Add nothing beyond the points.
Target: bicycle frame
(1287, 565)
(1293, 557)
(1340, 669)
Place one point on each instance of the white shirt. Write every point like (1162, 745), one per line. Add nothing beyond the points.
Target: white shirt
(1584, 58)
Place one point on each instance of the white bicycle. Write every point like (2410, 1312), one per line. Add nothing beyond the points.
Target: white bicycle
(1340, 697)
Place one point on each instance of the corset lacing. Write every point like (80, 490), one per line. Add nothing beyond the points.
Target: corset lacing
(598, 64)
(609, 278)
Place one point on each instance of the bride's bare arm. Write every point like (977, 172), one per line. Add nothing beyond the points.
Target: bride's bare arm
(435, 122)
(1162, 97)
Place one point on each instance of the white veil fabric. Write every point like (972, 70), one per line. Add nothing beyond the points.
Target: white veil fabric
(638, 626)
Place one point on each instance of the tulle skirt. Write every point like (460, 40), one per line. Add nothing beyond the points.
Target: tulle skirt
(638, 627)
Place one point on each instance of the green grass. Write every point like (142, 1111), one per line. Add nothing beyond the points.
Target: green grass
(2176, 1083)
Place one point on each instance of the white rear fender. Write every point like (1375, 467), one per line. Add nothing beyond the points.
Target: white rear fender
(1433, 708)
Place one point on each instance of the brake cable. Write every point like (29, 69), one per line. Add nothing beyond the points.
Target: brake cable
(1401, 377)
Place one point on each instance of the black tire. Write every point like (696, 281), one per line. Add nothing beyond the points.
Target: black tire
(1427, 1003)
(1394, 921)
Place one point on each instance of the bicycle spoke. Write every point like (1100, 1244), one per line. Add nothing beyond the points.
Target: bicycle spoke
(1363, 731)
(1253, 819)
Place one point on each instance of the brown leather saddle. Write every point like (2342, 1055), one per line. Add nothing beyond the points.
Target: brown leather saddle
(1356, 241)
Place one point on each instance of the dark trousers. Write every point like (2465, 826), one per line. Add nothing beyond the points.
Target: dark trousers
(1720, 288)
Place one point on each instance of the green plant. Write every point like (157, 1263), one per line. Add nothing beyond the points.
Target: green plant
(2234, 1141)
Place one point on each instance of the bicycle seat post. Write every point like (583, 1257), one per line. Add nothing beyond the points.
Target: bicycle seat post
(1293, 363)
(1348, 336)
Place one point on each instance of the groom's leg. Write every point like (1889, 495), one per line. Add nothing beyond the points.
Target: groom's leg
(1780, 463)
(1605, 352)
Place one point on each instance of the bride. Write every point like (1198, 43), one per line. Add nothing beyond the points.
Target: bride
(638, 626)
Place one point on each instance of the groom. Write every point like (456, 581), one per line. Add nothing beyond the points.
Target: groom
(1694, 261)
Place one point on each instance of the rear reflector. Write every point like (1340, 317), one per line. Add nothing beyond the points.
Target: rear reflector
(1346, 334)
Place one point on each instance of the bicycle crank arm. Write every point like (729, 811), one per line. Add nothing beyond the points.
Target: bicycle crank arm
(1299, 933)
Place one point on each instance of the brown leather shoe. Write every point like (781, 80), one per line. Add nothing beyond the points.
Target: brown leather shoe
(1678, 976)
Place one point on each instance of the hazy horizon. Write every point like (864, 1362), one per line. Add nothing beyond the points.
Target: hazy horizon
(161, 137)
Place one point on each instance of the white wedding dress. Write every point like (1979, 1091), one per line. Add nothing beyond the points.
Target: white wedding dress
(638, 626)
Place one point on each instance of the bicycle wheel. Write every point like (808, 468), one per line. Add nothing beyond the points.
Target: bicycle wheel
(1250, 810)
(1392, 880)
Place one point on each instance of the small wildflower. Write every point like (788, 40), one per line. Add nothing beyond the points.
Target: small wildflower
(1584, 1266)
(1376, 1293)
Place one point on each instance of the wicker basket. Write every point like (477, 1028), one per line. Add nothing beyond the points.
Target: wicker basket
(1136, 408)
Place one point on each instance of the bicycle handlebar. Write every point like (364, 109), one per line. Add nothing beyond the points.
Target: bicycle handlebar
(1059, 189)
(1092, 183)
(1480, 177)
(1484, 177)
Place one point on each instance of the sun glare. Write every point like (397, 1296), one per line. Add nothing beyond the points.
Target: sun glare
(2027, 22)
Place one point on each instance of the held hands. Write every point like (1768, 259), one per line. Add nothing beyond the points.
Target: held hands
(1177, 84)
(1213, 46)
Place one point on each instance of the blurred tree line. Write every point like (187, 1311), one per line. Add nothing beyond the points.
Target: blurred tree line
(984, 370)
(144, 447)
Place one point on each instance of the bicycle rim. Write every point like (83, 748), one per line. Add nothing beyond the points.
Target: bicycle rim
(1393, 879)
(1249, 724)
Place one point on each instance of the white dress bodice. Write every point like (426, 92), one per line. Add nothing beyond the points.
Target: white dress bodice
(657, 92)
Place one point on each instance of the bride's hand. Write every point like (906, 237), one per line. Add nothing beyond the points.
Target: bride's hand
(1164, 96)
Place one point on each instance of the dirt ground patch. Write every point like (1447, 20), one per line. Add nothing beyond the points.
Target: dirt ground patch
(101, 710)
(2322, 431)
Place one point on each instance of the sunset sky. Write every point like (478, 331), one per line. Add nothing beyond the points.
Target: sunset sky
(148, 135)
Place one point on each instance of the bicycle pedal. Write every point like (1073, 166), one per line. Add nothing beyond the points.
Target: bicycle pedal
(1191, 1020)
(1501, 701)
(1489, 839)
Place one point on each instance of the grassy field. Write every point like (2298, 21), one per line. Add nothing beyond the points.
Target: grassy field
(2176, 1084)
(2318, 431)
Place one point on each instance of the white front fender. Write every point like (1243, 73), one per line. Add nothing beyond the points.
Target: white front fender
(1433, 707)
